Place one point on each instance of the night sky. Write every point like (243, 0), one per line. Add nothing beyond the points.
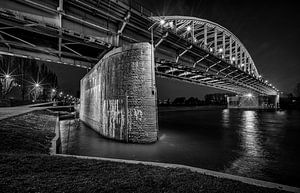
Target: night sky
(269, 29)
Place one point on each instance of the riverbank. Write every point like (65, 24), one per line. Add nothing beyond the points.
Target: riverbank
(189, 108)
(26, 166)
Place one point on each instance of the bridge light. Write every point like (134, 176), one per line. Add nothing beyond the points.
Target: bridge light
(189, 28)
(266, 81)
(242, 65)
(220, 50)
(171, 24)
(211, 49)
(53, 90)
(162, 22)
(37, 85)
(233, 58)
(7, 76)
(249, 95)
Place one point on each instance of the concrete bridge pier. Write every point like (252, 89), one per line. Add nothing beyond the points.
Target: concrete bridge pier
(249, 101)
(118, 96)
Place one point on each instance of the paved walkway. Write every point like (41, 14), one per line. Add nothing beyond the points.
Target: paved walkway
(6, 112)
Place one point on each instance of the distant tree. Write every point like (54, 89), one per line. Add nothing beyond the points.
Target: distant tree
(7, 78)
(25, 73)
(297, 90)
(168, 102)
(179, 101)
(192, 101)
(7, 83)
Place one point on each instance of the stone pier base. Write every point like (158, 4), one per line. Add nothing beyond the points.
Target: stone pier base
(253, 102)
(118, 96)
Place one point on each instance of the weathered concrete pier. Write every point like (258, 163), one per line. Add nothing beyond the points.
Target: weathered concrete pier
(118, 96)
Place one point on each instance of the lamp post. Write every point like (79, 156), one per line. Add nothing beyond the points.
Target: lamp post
(7, 83)
(37, 89)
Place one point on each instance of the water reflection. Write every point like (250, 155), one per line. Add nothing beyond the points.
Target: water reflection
(262, 145)
(249, 133)
(225, 118)
(251, 161)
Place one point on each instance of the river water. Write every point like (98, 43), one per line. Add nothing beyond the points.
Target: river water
(257, 144)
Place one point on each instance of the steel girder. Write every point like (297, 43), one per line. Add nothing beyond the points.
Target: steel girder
(204, 49)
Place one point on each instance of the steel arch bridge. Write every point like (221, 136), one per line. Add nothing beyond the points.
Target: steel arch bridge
(225, 62)
(116, 39)
(80, 32)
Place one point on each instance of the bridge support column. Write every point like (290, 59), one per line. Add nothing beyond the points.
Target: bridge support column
(253, 102)
(118, 96)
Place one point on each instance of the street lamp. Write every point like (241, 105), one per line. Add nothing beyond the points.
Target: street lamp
(189, 28)
(171, 24)
(249, 95)
(7, 76)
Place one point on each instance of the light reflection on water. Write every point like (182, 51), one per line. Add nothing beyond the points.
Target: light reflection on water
(250, 134)
(246, 163)
(256, 144)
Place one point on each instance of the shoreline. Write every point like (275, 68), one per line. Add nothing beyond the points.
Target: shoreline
(188, 108)
(59, 170)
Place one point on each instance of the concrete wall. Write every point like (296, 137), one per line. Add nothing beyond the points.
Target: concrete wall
(118, 96)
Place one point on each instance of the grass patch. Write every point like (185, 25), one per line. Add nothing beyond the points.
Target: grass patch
(28, 133)
(42, 173)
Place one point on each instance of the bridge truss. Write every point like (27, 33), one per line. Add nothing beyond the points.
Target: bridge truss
(80, 32)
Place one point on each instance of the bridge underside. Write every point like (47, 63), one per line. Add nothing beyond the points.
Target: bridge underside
(85, 33)
(81, 32)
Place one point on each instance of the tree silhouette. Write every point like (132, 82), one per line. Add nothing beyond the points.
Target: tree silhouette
(25, 73)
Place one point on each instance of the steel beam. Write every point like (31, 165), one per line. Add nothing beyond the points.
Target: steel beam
(21, 40)
(196, 76)
(213, 65)
(230, 73)
(165, 35)
(215, 39)
(47, 58)
(223, 69)
(171, 70)
(194, 65)
(184, 74)
(182, 53)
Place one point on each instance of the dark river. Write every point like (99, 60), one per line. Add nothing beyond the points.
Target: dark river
(257, 144)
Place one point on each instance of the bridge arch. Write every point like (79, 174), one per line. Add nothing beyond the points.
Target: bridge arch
(212, 37)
